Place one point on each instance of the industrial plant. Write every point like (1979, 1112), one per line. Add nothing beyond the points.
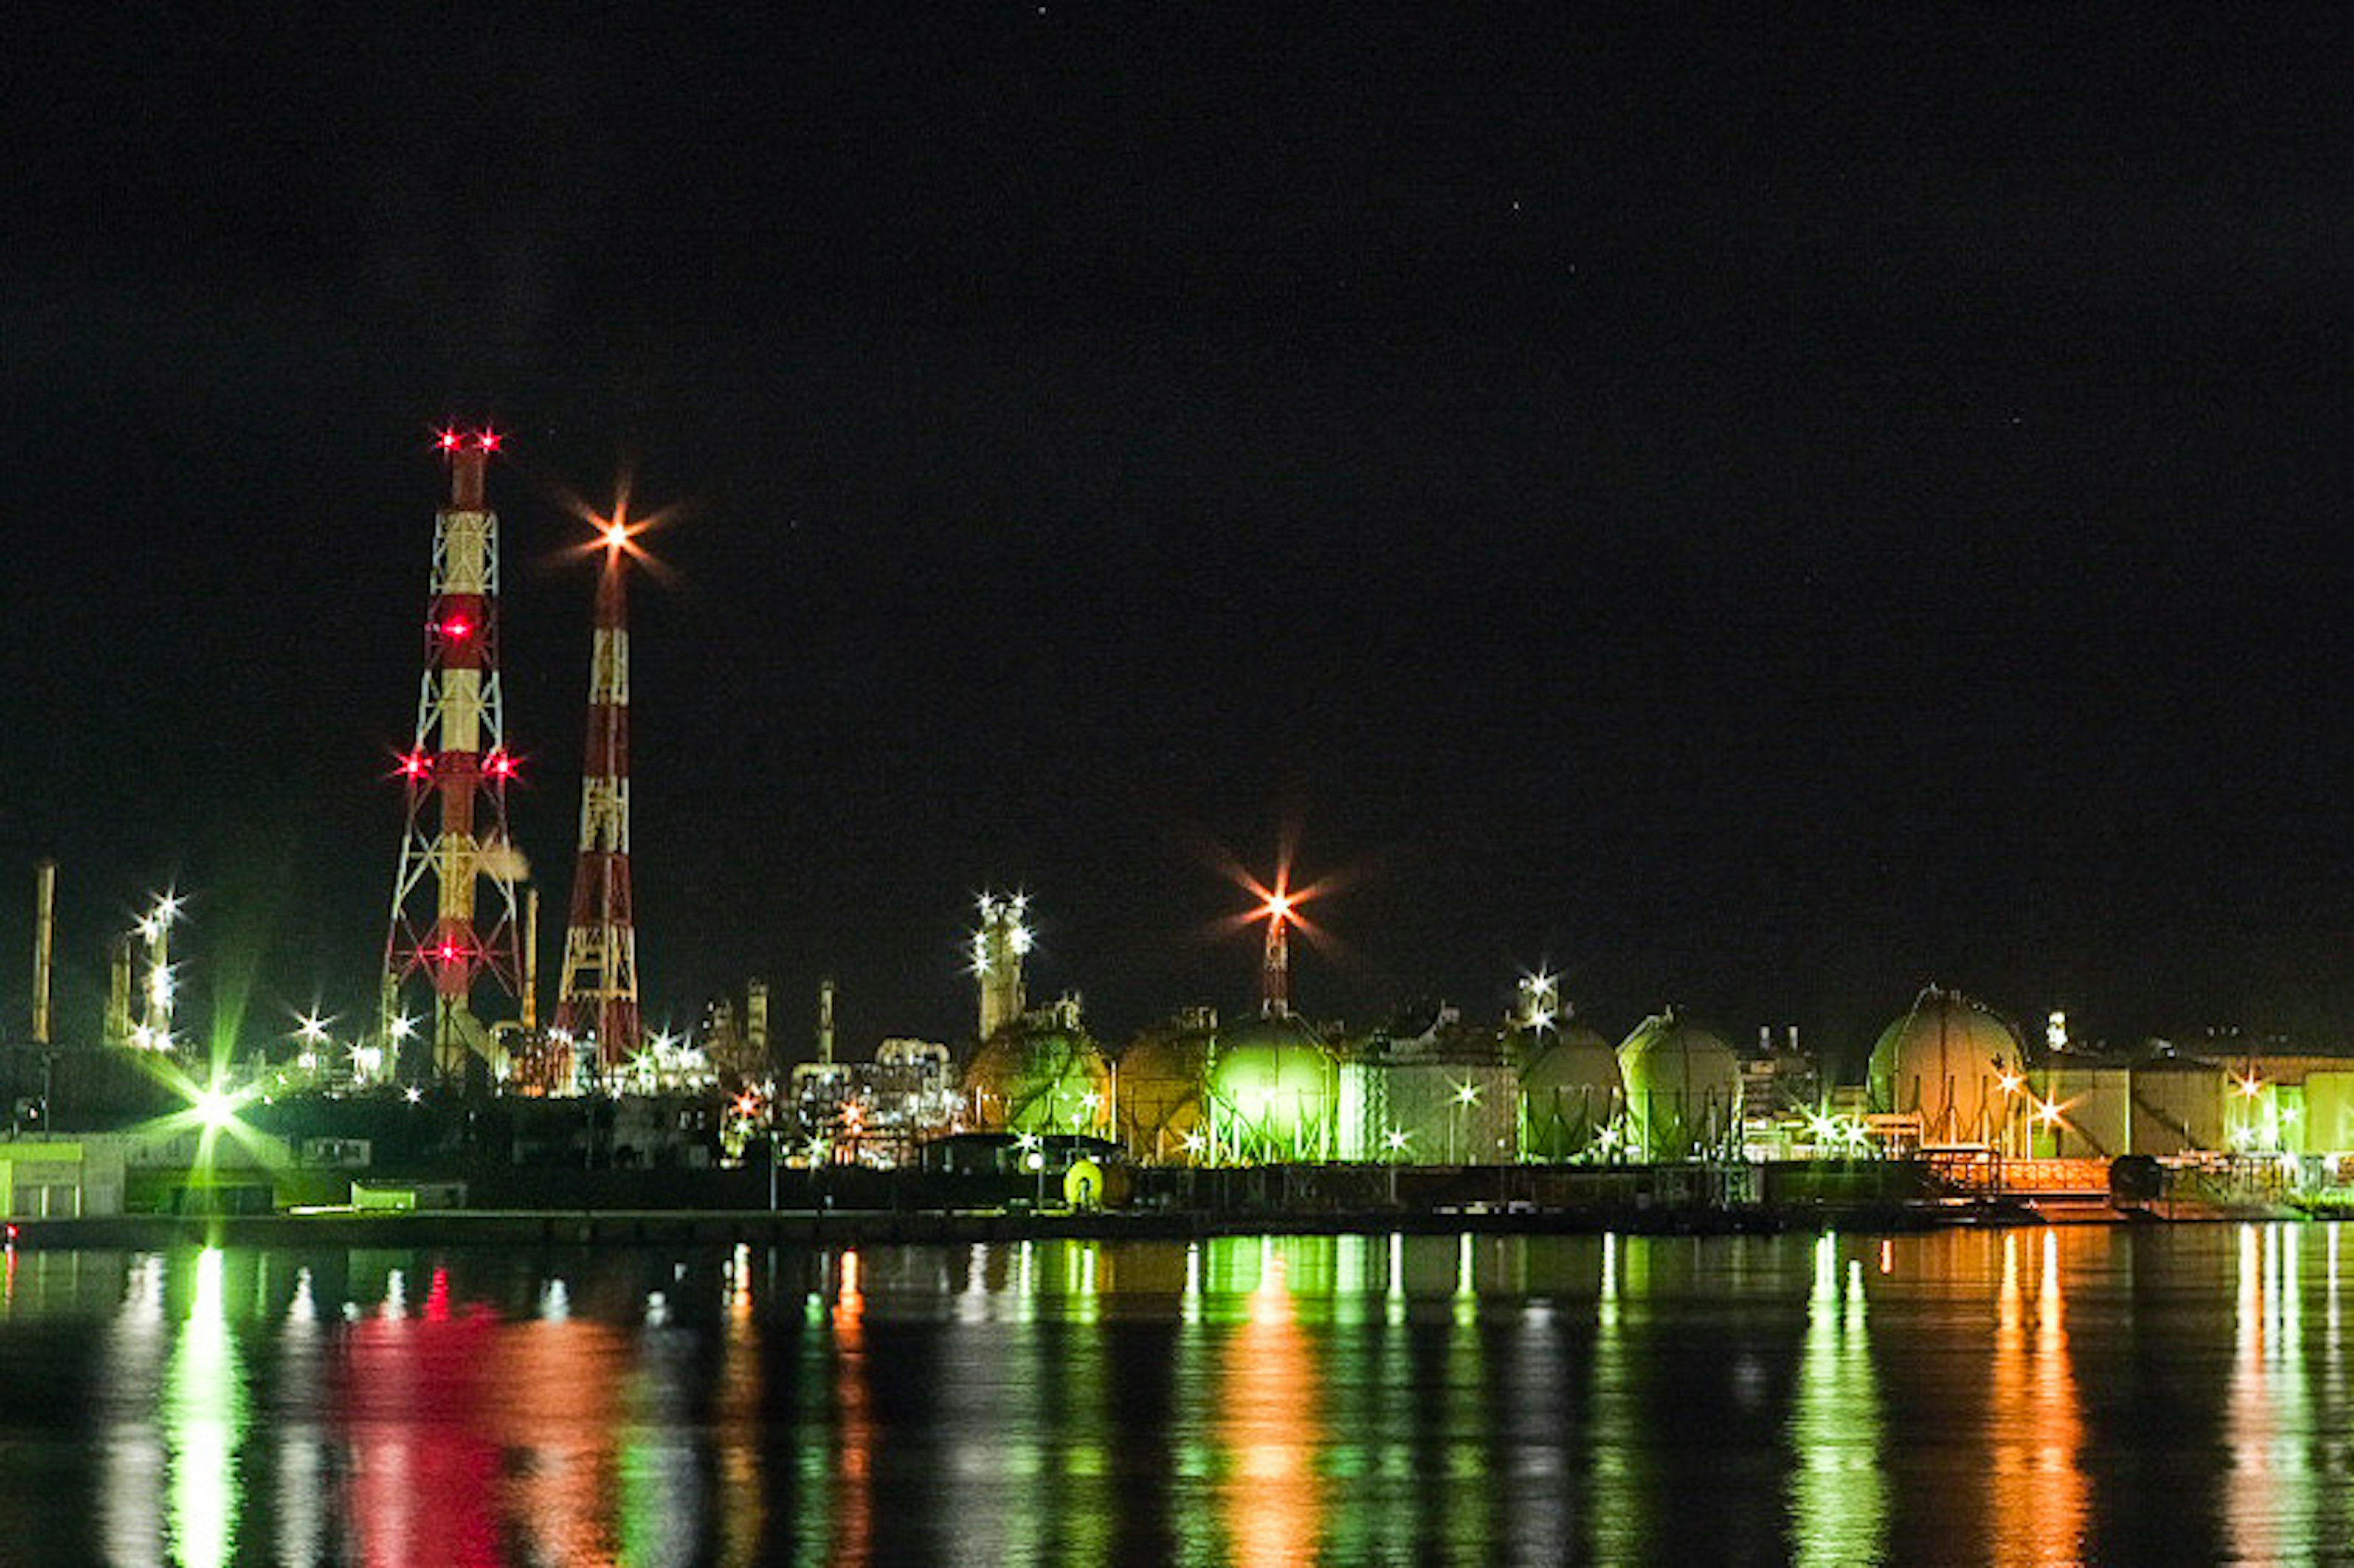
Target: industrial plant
(459, 1070)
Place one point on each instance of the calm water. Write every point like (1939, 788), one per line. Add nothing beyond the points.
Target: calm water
(2031, 1396)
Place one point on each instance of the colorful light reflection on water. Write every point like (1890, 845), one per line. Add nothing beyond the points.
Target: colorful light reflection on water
(1253, 1401)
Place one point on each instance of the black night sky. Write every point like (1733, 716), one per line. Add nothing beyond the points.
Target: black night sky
(1758, 513)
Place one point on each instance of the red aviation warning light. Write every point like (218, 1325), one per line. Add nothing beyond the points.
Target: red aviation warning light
(489, 440)
(1280, 906)
(448, 440)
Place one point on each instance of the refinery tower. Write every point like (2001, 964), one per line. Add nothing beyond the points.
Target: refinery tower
(456, 773)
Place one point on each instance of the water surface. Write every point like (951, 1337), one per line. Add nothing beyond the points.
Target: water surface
(2085, 1394)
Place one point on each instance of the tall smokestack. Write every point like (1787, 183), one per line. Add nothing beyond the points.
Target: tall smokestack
(598, 994)
(45, 914)
(118, 992)
(531, 961)
(756, 1022)
(825, 1022)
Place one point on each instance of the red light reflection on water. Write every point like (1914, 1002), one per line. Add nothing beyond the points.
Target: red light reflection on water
(411, 1399)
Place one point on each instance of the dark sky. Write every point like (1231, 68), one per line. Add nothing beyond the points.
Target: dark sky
(1758, 513)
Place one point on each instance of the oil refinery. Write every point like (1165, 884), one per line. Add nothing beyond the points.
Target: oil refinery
(461, 1073)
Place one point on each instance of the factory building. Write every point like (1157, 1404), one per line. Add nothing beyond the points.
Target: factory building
(1448, 1093)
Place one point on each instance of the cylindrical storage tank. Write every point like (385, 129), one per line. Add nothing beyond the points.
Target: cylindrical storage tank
(2329, 1112)
(1042, 1080)
(1683, 1089)
(1164, 1096)
(1274, 1089)
(1957, 1066)
(1571, 1088)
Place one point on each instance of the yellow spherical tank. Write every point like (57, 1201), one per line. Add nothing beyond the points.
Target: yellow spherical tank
(1955, 1065)
(1164, 1096)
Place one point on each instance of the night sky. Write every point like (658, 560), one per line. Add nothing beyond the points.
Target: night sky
(1758, 513)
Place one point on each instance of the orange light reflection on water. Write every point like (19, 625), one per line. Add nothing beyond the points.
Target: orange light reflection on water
(854, 1514)
(558, 1382)
(1266, 1427)
(2037, 1481)
(737, 1427)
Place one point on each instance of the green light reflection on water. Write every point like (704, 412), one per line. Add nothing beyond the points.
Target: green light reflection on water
(204, 1424)
(2270, 1496)
(1614, 1506)
(1839, 1492)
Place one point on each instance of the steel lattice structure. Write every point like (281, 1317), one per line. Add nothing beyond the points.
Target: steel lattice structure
(456, 772)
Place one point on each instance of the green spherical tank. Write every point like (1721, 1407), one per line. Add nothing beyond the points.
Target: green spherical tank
(1039, 1080)
(1571, 1089)
(1273, 1088)
(1683, 1089)
(1957, 1065)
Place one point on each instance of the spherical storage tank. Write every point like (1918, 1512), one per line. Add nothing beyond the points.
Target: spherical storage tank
(1955, 1065)
(1162, 1099)
(1571, 1089)
(1039, 1080)
(1273, 1091)
(1683, 1089)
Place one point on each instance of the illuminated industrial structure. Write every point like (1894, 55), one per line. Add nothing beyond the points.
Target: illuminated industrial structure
(597, 999)
(159, 985)
(1161, 1112)
(1273, 1090)
(45, 923)
(456, 773)
(1042, 1073)
(820, 1087)
(1956, 1072)
(1683, 1089)
(999, 946)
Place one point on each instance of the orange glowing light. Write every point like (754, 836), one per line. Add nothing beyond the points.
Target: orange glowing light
(2251, 1086)
(1278, 906)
